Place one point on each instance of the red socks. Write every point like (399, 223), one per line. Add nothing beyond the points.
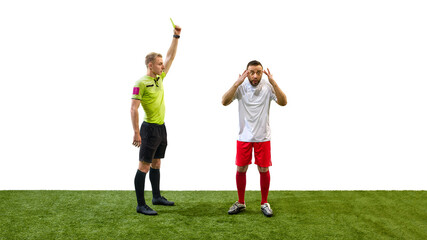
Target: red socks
(241, 186)
(265, 186)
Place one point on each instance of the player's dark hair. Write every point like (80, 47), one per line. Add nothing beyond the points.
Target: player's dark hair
(151, 57)
(253, 63)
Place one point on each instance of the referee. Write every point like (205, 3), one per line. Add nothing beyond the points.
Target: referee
(151, 138)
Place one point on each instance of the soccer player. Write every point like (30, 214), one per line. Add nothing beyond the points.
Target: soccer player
(151, 138)
(254, 97)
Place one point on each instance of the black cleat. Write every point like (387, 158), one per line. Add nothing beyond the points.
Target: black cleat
(162, 201)
(146, 210)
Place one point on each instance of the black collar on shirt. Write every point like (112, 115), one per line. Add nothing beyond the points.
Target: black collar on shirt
(157, 81)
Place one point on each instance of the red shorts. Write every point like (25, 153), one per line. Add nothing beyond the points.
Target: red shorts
(262, 153)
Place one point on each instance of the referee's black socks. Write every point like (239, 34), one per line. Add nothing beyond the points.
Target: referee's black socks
(155, 182)
(139, 187)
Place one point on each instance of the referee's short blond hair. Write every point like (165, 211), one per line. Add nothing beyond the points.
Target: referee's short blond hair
(151, 57)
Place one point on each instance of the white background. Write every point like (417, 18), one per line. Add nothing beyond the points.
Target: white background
(354, 73)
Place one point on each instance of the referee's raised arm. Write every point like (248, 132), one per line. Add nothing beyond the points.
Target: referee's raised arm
(170, 56)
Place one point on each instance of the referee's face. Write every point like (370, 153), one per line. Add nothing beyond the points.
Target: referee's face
(255, 74)
(157, 66)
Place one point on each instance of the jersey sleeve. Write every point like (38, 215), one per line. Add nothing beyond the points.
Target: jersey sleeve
(162, 76)
(138, 91)
(238, 93)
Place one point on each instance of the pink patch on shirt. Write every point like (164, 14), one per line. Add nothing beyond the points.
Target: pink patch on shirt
(135, 90)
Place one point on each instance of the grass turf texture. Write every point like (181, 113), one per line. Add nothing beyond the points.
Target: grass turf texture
(203, 215)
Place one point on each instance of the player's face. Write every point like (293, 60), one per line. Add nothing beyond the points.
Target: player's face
(157, 66)
(255, 74)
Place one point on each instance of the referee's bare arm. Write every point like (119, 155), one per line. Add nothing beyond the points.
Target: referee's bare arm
(135, 122)
(170, 55)
(228, 96)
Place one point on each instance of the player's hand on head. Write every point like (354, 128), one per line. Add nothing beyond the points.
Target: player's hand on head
(242, 77)
(269, 75)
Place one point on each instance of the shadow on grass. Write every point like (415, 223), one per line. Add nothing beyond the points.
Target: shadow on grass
(208, 210)
(202, 209)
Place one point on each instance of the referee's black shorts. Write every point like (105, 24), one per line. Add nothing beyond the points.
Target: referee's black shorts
(153, 141)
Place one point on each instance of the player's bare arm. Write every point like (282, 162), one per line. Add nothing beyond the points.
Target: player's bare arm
(135, 122)
(170, 56)
(281, 97)
(228, 96)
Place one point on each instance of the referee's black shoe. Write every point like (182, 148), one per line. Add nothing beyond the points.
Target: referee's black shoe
(162, 201)
(145, 209)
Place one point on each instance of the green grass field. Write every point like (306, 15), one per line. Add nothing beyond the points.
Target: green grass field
(203, 215)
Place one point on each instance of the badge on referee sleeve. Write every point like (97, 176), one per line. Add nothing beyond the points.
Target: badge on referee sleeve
(136, 91)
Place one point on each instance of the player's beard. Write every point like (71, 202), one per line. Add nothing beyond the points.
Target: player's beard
(254, 82)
